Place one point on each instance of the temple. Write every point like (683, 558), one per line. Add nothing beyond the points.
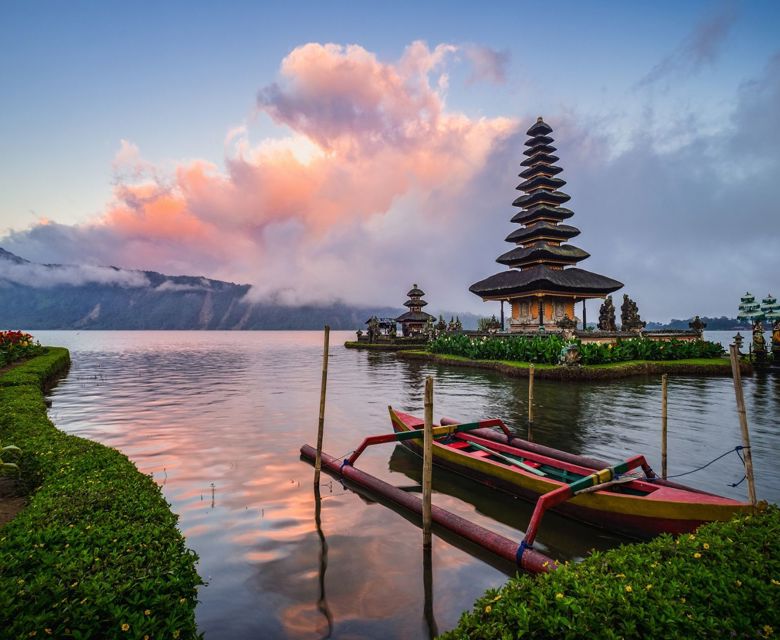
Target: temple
(542, 284)
(413, 321)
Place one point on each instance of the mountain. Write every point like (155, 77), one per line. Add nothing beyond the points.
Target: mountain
(713, 324)
(55, 296)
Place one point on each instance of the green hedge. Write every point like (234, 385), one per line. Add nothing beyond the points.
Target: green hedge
(547, 349)
(96, 552)
(722, 581)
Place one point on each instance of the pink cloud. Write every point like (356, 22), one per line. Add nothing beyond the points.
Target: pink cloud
(372, 151)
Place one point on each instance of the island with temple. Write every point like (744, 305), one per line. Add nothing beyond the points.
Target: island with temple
(542, 285)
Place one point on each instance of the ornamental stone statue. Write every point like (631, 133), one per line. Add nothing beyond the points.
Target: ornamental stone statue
(698, 326)
(568, 325)
(759, 344)
(607, 316)
(629, 316)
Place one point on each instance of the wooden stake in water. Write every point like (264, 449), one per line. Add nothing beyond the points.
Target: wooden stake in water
(321, 423)
(427, 462)
(664, 378)
(530, 401)
(737, 374)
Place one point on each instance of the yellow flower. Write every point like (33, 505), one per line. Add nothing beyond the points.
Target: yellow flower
(697, 555)
(648, 587)
(147, 612)
(706, 546)
(488, 609)
(620, 575)
(558, 596)
(629, 589)
(768, 631)
(739, 583)
(125, 626)
(176, 633)
(182, 600)
(775, 582)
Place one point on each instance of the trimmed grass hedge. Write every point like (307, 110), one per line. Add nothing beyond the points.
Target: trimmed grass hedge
(608, 371)
(96, 552)
(722, 581)
(547, 349)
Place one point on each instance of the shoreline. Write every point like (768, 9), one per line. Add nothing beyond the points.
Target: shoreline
(611, 371)
(378, 346)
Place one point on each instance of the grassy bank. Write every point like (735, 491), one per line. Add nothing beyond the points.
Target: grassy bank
(96, 552)
(609, 371)
(723, 581)
(381, 346)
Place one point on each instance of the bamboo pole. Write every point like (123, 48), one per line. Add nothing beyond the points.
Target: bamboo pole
(427, 462)
(321, 422)
(737, 375)
(530, 401)
(664, 379)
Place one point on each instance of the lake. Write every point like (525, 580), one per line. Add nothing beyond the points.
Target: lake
(218, 418)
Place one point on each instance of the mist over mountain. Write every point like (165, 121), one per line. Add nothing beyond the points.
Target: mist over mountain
(54, 296)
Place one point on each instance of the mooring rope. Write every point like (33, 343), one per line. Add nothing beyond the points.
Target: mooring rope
(737, 449)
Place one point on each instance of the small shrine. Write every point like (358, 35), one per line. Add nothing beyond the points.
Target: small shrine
(541, 283)
(413, 322)
(768, 310)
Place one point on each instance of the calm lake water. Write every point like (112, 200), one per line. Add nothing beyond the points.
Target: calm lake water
(218, 418)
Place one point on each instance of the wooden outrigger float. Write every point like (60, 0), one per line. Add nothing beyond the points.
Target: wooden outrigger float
(588, 490)
(528, 559)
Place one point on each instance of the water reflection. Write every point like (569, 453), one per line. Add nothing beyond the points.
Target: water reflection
(322, 602)
(218, 418)
(430, 619)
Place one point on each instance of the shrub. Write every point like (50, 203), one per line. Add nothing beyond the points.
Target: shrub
(547, 349)
(722, 581)
(15, 345)
(96, 553)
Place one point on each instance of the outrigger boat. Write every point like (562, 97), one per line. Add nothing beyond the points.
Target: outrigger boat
(591, 491)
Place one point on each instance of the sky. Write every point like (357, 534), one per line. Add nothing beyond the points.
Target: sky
(323, 151)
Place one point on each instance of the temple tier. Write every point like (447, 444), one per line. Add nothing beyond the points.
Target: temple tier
(542, 284)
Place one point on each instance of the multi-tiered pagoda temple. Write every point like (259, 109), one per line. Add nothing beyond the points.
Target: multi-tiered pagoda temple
(413, 321)
(542, 284)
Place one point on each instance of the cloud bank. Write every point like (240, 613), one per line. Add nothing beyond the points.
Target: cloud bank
(373, 160)
(379, 183)
(43, 276)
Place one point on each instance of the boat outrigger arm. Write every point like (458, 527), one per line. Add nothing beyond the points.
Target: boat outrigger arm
(599, 480)
(446, 430)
